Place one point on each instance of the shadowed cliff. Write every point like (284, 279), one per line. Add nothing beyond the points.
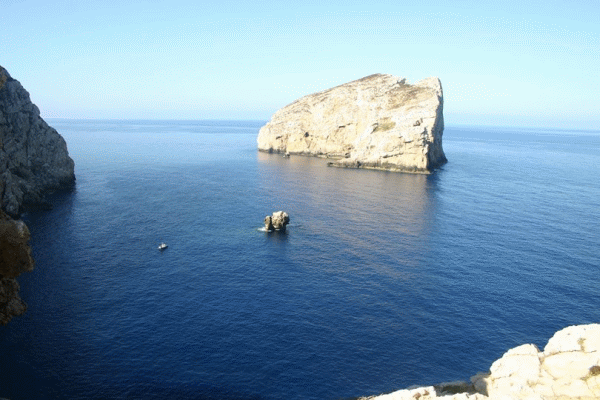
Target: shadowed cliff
(33, 161)
(33, 157)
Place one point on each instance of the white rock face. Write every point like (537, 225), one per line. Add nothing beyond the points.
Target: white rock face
(427, 393)
(568, 368)
(277, 221)
(33, 156)
(378, 122)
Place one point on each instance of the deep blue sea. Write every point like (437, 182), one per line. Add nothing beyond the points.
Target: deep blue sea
(382, 280)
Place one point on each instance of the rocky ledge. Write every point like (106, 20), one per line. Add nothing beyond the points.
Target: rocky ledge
(378, 122)
(33, 156)
(567, 369)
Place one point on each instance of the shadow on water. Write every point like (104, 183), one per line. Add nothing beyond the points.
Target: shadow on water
(277, 236)
(349, 202)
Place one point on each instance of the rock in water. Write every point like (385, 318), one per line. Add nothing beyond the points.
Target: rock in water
(278, 221)
(33, 156)
(378, 122)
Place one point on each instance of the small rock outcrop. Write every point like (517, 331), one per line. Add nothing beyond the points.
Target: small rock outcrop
(378, 122)
(33, 156)
(277, 222)
(15, 258)
(568, 368)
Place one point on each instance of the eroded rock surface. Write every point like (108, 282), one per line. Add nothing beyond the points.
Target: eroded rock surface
(379, 122)
(15, 258)
(33, 156)
(277, 222)
(567, 369)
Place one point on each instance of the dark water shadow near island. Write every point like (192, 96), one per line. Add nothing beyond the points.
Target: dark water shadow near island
(277, 236)
(363, 208)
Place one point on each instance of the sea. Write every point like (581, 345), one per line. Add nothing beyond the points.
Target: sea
(382, 280)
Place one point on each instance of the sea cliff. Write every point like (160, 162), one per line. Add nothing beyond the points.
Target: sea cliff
(378, 122)
(33, 161)
(33, 157)
(567, 369)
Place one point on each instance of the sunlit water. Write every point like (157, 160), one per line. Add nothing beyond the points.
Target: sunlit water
(382, 280)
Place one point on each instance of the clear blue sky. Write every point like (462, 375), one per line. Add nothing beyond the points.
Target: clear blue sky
(533, 63)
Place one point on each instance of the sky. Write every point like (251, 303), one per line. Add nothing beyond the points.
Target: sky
(521, 63)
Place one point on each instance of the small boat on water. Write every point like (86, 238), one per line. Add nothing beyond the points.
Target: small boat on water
(162, 246)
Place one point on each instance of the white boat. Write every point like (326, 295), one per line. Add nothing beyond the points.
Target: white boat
(162, 246)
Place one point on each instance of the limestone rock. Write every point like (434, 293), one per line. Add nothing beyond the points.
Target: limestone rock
(378, 122)
(15, 258)
(568, 368)
(33, 156)
(422, 393)
(278, 221)
(574, 338)
(428, 393)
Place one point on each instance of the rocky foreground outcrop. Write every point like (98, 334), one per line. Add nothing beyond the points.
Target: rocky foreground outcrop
(568, 368)
(33, 156)
(15, 258)
(378, 122)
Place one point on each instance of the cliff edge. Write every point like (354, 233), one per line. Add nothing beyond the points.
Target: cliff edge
(378, 122)
(567, 369)
(33, 156)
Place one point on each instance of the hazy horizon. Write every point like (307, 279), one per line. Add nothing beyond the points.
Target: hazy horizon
(500, 63)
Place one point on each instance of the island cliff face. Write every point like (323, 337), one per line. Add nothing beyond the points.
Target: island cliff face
(33, 156)
(378, 122)
(33, 161)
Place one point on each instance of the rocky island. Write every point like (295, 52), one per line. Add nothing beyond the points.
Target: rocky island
(277, 221)
(378, 122)
(33, 161)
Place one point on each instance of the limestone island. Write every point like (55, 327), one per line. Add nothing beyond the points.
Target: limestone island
(377, 122)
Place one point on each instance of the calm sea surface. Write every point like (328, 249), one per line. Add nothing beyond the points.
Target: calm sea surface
(383, 280)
